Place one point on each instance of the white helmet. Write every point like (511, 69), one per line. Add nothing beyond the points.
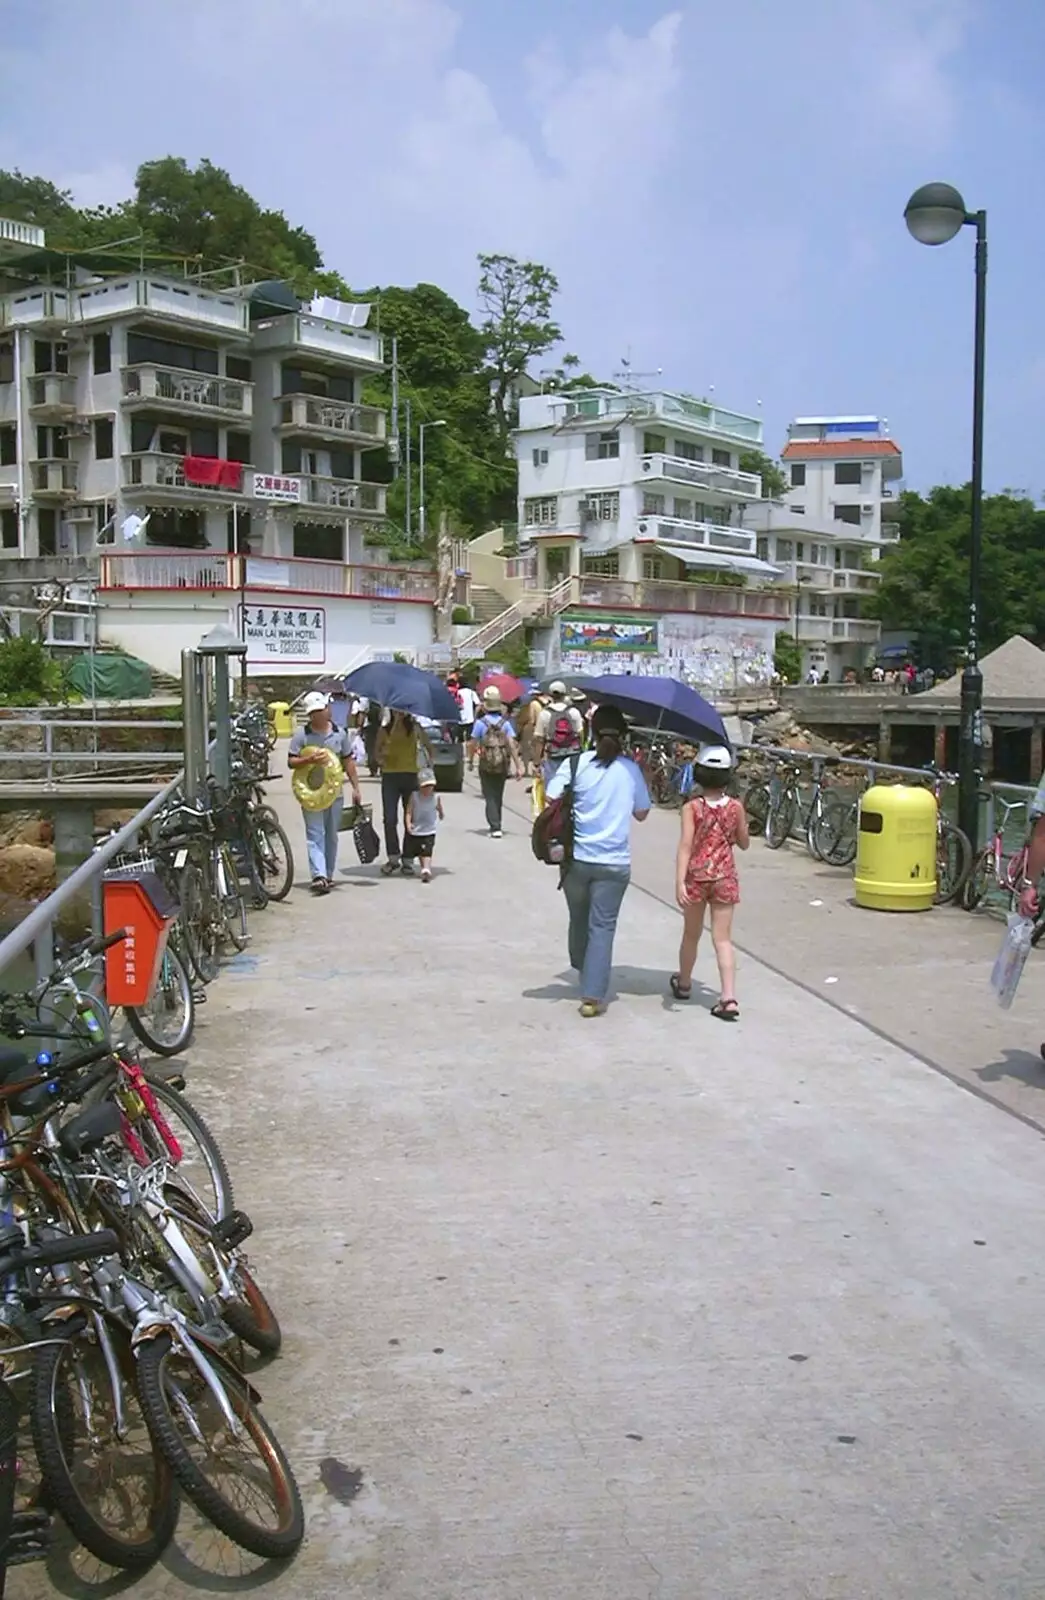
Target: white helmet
(716, 757)
(315, 701)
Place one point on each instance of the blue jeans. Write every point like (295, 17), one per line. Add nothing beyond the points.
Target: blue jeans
(321, 838)
(593, 894)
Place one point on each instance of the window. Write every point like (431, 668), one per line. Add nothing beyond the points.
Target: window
(653, 505)
(652, 567)
(183, 529)
(540, 512)
(817, 606)
(290, 460)
(800, 551)
(785, 550)
(48, 357)
(147, 348)
(847, 472)
(683, 509)
(52, 444)
(101, 352)
(721, 458)
(654, 444)
(602, 446)
(688, 451)
(7, 362)
(762, 549)
(238, 367)
(103, 439)
(798, 474)
(540, 458)
(797, 511)
(850, 514)
(237, 527)
(600, 507)
(47, 530)
(174, 443)
(8, 446)
(9, 528)
(601, 566)
(318, 541)
(237, 446)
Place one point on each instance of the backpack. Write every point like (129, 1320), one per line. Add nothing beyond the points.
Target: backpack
(551, 837)
(564, 737)
(495, 751)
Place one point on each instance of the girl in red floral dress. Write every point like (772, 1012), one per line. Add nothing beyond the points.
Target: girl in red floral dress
(713, 824)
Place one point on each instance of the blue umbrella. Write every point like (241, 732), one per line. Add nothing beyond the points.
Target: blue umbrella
(404, 688)
(661, 703)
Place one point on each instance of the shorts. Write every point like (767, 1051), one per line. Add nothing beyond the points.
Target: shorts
(418, 844)
(713, 891)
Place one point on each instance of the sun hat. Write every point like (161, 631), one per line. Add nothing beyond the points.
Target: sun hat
(491, 695)
(716, 757)
(315, 701)
(426, 778)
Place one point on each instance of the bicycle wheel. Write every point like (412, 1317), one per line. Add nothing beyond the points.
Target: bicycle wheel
(197, 922)
(202, 1171)
(780, 820)
(240, 1480)
(273, 857)
(249, 1314)
(230, 899)
(756, 804)
(836, 833)
(953, 861)
(165, 1026)
(978, 881)
(113, 1486)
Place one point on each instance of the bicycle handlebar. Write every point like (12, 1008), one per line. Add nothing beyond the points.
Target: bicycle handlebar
(52, 1252)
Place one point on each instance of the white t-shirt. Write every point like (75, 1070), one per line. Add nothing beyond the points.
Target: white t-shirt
(553, 714)
(469, 703)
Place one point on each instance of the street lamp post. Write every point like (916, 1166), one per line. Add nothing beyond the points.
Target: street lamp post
(421, 474)
(934, 214)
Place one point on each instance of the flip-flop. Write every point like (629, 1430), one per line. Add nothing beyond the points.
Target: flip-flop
(676, 988)
(726, 1011)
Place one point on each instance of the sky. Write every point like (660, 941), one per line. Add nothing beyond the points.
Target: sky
(718, 188)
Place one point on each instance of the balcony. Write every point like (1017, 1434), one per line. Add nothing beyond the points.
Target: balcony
(361, 347)
(854, 582)
(190, 393)
(151, 472)
(709, 535)
(331, 419)
(701, 475)
(851, 630)
(653, 594)
(890, 533)
(54, 480)
(172, 299)
(700, 415)
(34, 307)
(52, 396)
(205, 569)
(343, 494)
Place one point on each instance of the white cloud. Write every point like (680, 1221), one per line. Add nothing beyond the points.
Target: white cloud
(911, 68)
(106, 185)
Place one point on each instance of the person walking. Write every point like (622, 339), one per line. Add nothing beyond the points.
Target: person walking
(493, 743)
(424, 813)
(307, 749)
(401, 749)
(467, 702)
(608, 791)
(713, 823)
(559, 732)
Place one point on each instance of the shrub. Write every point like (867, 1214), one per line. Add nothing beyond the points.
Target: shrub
(28, 676)
(461, 614)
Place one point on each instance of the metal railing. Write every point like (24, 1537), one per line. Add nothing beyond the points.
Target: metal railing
(90, 761)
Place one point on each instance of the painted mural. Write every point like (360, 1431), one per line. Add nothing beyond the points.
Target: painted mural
(717, 655)
(596, 632)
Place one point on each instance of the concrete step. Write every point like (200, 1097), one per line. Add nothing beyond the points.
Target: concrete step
(487, 603)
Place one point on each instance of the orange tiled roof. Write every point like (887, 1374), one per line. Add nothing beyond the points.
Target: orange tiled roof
(851, 449)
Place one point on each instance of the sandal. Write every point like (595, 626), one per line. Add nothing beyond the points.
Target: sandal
(676, 988)
(390, 867)
(726, 1011)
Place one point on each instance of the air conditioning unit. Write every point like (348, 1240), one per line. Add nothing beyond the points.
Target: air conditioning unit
(78, 428)
(867, 510)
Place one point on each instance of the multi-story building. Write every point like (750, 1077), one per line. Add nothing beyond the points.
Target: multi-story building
(632, 536)
(166, 435)
(828, 531)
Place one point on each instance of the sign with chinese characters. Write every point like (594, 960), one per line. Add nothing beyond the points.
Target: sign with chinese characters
(269, 486)
(285, 633)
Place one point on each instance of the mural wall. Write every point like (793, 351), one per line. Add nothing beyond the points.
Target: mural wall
(714, 654)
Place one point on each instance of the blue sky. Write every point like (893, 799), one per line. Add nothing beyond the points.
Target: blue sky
(720, 189)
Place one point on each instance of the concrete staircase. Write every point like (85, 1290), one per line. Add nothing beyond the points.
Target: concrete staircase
(535, 605)
(487, 603)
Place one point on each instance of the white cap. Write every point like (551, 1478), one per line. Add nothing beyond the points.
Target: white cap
(314, 701)
(716, 757)
(557, 690)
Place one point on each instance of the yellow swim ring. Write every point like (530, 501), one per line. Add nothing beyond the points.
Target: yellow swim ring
(318, 785)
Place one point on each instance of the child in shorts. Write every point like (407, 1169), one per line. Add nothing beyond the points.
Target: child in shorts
(424, 813)
(713, 824)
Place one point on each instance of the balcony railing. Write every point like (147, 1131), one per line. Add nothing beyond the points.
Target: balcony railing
(709, 535)
(698, 414)
(703, 475)
(890, 532)
(283, 574)
(35, 306)
(338, 419)
(854, 630)
(194, 392)
(653, 594)
(863, 582)
(151, 470)
(361, 346)
(54, 478)
(343, 494)
(52, 394)
(176, 298)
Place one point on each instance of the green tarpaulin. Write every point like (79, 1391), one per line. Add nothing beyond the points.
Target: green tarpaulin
(115, 677)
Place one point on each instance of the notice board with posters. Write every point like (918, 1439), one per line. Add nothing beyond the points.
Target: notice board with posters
(285, 633)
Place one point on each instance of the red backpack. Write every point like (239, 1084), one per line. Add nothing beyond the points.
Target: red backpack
(551, 838)
(564, 737)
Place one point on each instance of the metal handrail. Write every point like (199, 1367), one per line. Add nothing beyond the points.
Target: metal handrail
(42, 918)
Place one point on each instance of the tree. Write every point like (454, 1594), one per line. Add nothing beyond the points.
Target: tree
(515, 298)
(787, 658)
(773, 480)
(924, 587)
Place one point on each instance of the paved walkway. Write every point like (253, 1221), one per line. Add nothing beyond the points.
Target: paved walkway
(646, 1306)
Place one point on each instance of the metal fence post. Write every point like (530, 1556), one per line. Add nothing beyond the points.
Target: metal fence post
(222, 755)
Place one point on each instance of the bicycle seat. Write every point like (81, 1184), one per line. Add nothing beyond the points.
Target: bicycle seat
(15, 1065)
(90, 1128)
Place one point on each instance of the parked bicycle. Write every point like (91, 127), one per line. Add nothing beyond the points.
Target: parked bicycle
(775, 807)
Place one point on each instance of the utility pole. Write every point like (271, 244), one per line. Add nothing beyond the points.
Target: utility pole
(409, 517)
(393, 443)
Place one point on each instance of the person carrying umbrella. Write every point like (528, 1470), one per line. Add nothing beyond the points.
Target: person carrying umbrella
(310, 748)
(403, 748)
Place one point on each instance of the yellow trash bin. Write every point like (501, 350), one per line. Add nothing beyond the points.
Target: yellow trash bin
(280, 718)
(896, 849)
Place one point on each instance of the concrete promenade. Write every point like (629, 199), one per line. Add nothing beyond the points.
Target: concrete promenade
(647, 1306)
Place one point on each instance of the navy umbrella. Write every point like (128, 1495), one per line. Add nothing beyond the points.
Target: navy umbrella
(404, 688)
(661, 703)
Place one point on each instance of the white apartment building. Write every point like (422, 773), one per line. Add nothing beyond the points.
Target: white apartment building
(828, 532)
(165, 435)
(635, 498)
